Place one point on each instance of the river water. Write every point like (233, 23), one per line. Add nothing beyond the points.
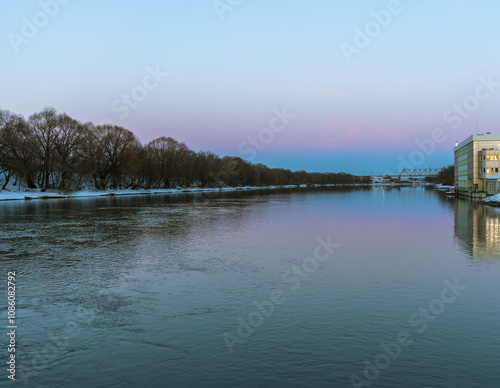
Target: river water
(329, 287)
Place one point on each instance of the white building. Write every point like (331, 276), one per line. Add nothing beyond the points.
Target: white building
(477, 158)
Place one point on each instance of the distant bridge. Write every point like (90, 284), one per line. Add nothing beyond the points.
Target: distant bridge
(418, 172)
(413, 173)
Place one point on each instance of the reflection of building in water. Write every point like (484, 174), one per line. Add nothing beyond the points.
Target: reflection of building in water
(477, 229)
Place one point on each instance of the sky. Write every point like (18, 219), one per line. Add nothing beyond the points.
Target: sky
(366, 87)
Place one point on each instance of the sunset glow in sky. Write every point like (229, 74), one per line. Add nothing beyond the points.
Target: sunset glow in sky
(367, 83)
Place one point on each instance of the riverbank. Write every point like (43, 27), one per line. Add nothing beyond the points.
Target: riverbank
(494, 200)
(37, 194)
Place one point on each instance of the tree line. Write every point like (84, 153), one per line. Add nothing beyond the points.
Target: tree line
(446, 176)
(51, 150)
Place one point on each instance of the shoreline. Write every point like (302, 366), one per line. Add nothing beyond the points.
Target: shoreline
(6, 195)
(492, 200)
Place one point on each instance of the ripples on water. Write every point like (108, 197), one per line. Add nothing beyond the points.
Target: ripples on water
(146, 286)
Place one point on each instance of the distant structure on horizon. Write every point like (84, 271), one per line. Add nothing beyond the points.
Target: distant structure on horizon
(477, 165)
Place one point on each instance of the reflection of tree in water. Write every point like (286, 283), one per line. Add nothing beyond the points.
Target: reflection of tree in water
(64, 233)
(104, 240)
(477, 230)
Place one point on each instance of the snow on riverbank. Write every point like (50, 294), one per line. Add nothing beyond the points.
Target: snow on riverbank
(444, 187)
(493, 200)
(6, 195)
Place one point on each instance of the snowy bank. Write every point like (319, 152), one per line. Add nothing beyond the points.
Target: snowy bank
(6, 195)
(494, 200)
(444, 187)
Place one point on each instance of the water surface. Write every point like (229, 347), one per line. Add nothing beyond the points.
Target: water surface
(152, 290)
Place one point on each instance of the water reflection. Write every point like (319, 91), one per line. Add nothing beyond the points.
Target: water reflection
(477, 230)
(166, 276)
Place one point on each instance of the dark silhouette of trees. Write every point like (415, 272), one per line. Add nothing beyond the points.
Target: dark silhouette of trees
(120, 148)
(69, 139)
(44, 131)
(16, 149)
(52, 150)
(170, 163)
(446, 176)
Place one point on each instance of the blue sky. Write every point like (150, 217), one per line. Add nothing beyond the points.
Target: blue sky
(232, 64)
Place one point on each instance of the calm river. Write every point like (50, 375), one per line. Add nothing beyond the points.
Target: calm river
(322, 288)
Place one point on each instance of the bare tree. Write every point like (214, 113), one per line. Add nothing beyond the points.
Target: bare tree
(57, 151)
(69, 137)
(16, 154)
(44, 126)
(119, 147)
(167, 161)
(208, 168)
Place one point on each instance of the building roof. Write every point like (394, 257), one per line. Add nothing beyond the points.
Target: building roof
(494, 177)
(481, 136)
